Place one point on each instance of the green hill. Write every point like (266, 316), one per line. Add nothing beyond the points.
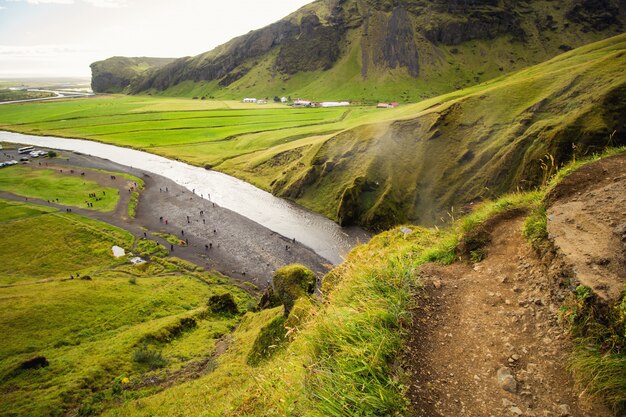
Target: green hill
(113, 75)
(456, 149)
(402, 50)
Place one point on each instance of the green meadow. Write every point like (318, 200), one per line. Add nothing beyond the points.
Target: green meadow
(112, 322)
(48, 184)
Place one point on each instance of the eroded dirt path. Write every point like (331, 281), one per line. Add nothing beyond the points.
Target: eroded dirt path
(486, 339)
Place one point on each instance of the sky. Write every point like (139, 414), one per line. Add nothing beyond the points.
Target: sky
(60, 38)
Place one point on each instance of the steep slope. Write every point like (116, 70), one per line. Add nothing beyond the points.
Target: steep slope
(402, 50)
(113, 75)
(478, 143)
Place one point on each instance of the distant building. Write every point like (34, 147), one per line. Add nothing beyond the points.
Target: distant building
(387, 105)
(284, 100)
(249, 100)
(302, 103)
(261, 102)
(334, 104)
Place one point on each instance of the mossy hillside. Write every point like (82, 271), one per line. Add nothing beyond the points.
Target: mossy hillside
(367, 50)
(492, 137)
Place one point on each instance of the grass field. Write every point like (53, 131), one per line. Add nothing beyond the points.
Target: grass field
(41, 243)
(91, 330)
(47, 184)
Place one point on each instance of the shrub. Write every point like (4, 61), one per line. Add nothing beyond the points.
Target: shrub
(223, 304)
(153, 359)
(292, 282)
(132, 281)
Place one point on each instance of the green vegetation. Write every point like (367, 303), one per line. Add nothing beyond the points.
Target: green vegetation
(47, 184)
(147, 247)
(43, 244)
(170, 239)
(14, 95)
(370, 166)
(599, 360)
(76, 345)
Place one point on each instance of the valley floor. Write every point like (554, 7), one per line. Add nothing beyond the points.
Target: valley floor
(235, 240)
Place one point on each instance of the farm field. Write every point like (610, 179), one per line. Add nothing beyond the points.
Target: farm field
(112, 321)
(199, 132)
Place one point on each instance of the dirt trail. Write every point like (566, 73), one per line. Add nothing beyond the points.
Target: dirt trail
(486, 341)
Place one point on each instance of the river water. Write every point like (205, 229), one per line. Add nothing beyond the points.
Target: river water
(315, 231)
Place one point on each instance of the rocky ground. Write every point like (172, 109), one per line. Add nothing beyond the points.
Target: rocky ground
(486, 338)
(239, 247)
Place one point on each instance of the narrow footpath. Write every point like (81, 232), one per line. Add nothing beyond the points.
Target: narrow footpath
(486, 339)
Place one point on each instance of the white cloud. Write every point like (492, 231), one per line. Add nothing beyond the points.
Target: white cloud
(95, 3)
(45, 1)
(112, 4)
(40, 51)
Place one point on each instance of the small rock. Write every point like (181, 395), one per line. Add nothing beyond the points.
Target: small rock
(516, 411)
(564, 410)
(503, 279)
(507, 403)
(506, 381)
(437, 284)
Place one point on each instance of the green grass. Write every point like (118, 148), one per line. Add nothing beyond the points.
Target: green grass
(48, 245)
(47, 184)
(12, 210)
(363, 165)
(90, 330)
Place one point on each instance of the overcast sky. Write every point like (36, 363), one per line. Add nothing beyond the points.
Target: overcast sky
(55, 38)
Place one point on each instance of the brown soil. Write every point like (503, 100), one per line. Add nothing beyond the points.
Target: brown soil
(587, 222)
(473, 320)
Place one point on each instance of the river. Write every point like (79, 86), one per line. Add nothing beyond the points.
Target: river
(323, 236)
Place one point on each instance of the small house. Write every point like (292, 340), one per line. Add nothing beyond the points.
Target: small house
(249, 100)
(302, 103)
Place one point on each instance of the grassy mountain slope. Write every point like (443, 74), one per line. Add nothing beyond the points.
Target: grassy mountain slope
(367, 50)
(340, 356)
(476, 143)
(113, 75)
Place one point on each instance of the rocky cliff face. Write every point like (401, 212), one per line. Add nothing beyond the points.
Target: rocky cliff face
(423, 39)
